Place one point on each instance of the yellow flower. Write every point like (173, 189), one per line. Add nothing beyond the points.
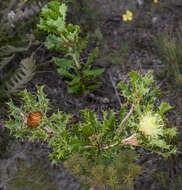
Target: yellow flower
(151, 125)
(155, 1)
(128, 16)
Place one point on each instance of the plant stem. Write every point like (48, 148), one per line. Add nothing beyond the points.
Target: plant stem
(70, 49)
(64, 39)
(76, 61)
(130, 140)
(115, 89)
(126, 117)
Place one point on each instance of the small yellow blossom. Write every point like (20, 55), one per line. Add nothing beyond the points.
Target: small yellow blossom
(155, 1)
(151, 125)
(128, 16)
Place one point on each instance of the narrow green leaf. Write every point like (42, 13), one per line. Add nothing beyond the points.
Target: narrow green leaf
(73, 89)
(92, 57)
(93, 73)
(75, 81)
(94, 86)
(63, 63)
(65, 73)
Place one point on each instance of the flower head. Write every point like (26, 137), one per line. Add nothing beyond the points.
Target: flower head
(128, 16)
(155, 1)
(151, 125)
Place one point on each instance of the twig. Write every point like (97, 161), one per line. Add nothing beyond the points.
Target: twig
(24, 119)
(109, 146)
(130, 140)
(88, 147)
(76, 61)
(126, 117)
(115, 89)
(70, 49)
(65, 40)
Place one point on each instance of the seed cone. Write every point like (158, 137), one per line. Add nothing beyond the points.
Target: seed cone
(34, 118)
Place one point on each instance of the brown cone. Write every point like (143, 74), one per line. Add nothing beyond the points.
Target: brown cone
(34, 118)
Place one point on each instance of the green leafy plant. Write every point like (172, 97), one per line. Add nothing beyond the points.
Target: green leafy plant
(115, 173)
(144, 119)
(65, 38)
(94, 142)
(166, 177)
(169, 51)
(144, 125)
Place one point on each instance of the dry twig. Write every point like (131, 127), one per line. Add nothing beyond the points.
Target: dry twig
(126, 117)
(115, 89)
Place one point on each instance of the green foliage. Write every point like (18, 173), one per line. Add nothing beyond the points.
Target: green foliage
(65, 38)
(91, 145)
(169, 51)
(92, 135)
(139, 89)
(166, 177)
(146, 120)
(106, 174)
(30, 173)
(19, 126)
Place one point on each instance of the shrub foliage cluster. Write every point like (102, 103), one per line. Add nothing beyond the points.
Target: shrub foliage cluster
(92, 139)
(97, 148)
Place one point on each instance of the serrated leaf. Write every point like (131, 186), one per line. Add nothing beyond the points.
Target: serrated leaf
(70, 27)
(164, 107)
(121, 85)
(108, 124)
(54, 5)
(58, 24)
(148, 78)
(159, 143)
(172, 132)
(62, 10)
(53, 42)
(134, 76)
(125, 89)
